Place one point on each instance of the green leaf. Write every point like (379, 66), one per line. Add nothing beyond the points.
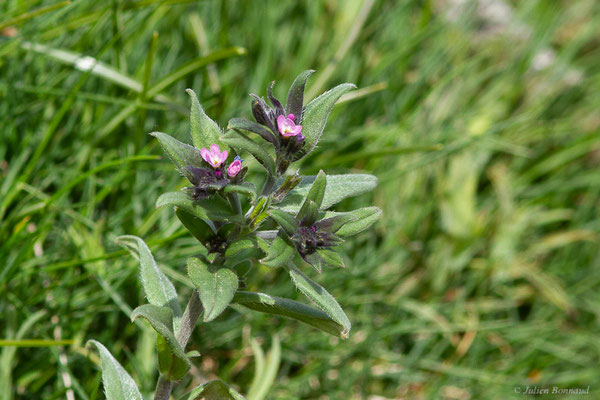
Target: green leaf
(181, 154)
(317, 190)
(316, 112)
(331, 259)
(242, 250)
(216, 286)
(334, 223)
(285, 220)
(246, 189)
(320, 297)
(172, 361)
(214, 390)
(204, 131)
(295, 97)
(362, 219)
(338, 188)
(241, 144)
(289, 308)
(158, 288)
(245, 125)
(201, 229)
(118, 384)
(280, 253)
(214, 208)
(309, 213)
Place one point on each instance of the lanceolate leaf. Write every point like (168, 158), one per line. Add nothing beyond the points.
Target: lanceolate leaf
(246, 189)
(331, 259)
(295, 98)
(201, 229)
(158, 288)
(216, 286)
(289, 308)
(214, 208)
(181, 154)
(214, 390)
(316, 112)
(285, 220)
(362, 219)
(243, 124)
(204, 130)
(118, 384)
(320, 297)
(241, 144)
(172, 361)
(317, 190)
(280, 253)
(338, 188)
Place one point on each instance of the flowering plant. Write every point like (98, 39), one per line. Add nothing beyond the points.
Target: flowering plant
(287, 224)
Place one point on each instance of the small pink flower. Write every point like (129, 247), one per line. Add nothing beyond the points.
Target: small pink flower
(235, 167)
(214, 157)
(287, 127)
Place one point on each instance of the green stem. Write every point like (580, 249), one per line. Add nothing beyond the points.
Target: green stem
(268, 186)
(186, 327)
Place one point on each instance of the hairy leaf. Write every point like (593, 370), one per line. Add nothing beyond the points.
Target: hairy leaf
(280, 253)
(181, 154)
(243, 124)
(172, 361)
(338, 188)
(241, 144)
(118, 384)
(202, 229)
(285, 220)
(362, 219)
(204, 131)
(216, 286)
(214, 208)
(295, 97)
(289, 308)
(320, 297)
(316, 112)
(158, 288)
(214, 390)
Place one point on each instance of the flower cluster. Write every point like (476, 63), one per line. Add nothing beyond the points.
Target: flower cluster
(214, 177)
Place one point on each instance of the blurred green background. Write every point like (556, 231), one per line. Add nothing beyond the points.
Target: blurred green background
(480, 119)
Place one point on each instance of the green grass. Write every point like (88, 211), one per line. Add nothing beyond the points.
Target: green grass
(482, 275)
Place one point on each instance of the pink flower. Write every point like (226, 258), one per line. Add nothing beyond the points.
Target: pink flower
(214, 157)
(287, 127)
(235, 167)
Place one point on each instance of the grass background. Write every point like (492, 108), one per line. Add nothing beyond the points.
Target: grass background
(479, 118)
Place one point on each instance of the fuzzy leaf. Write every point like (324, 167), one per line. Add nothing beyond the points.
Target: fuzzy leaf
(309, 213)
(214, 390)
(316, 112)
(280, 253)
(204, 131)
(331, 259)
(288, 308)
(172, 361)
(158, 288)
(200, 228)
(245, 125)
(241, 144)
(118, 384)
(295, 97)
(285, 220)
(181, 154)
(246, 189)
(216, 286)
(214, 208)
(338, 188)
(317, 190)
(334, 223)
(320, 297)
(362, 219)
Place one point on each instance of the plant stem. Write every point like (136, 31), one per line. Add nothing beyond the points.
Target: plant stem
(188, 322)
(268, 186)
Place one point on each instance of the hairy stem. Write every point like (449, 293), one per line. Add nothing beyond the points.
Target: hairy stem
(268, 186)
(188, 322)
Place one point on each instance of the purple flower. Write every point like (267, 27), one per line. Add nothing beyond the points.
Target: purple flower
(287, 127)
(235, 167)
(214, 157)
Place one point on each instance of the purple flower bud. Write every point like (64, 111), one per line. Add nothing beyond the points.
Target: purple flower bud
(287, 127)
(214, 156)
(235, 167)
